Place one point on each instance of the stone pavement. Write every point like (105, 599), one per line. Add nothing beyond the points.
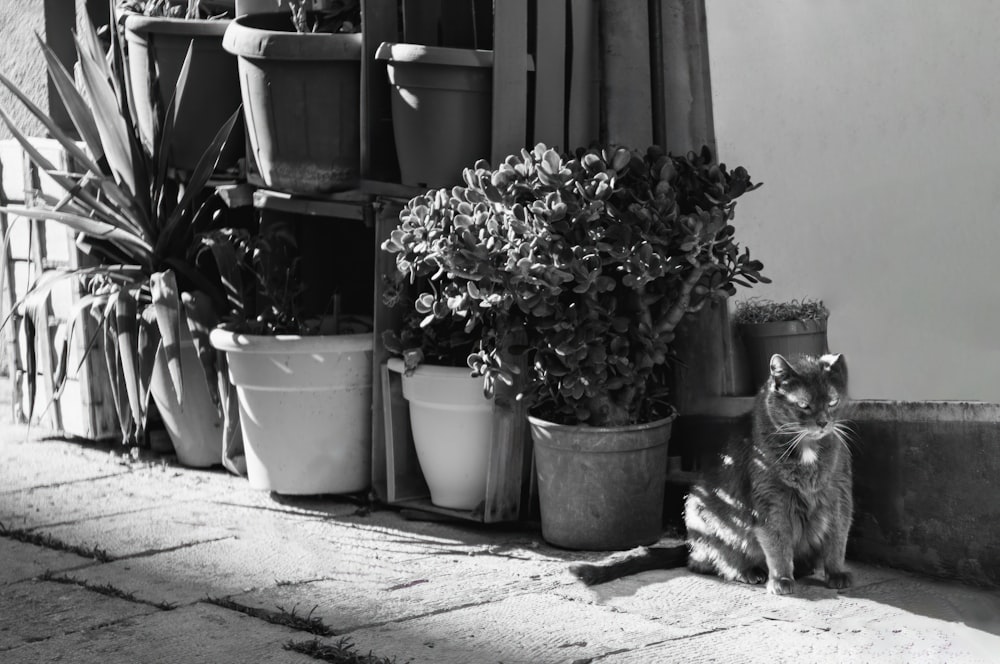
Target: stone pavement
(106, 559)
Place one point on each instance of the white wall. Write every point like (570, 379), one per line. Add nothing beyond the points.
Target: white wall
(875, 128)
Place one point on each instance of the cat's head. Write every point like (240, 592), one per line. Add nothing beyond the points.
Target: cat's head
(807, 395)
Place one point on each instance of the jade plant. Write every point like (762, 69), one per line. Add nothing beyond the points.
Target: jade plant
(572, 272)
(757, 310)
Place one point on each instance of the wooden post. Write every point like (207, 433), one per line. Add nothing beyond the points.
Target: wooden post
(625, 76)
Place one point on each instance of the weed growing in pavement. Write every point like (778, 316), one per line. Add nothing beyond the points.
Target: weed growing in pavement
(282, 616)
(104, 589)
(50, 542)
(341, 652)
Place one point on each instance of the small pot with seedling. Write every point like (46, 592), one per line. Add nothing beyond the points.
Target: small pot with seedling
(300, 79)
(302, 379)
(794, 327)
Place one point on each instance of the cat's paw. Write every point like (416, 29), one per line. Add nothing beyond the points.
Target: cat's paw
(754, 576)
(781, 586)
(839, 580)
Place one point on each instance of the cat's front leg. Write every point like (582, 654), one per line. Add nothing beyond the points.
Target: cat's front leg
(835, 545)
(776, 543)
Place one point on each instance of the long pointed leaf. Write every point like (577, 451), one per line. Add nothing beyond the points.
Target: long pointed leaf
(127, 325)
(87, 226)
(201, 320)
(166, 304)
(111, 126)
(149, 343)
(87, 303)
(113, 359)
(71, 146)
(202, 173)
(44, 164)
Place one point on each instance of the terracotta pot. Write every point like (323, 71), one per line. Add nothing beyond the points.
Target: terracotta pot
(156, 51)
(601, 488)
(301, 101)
(788, 338)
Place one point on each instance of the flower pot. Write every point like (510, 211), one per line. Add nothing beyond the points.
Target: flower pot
(601, 488)
(194, 424)
(156, 51)
(301, 101)
(762, 340)
(442, 106)
(452, 424)
(305, 409)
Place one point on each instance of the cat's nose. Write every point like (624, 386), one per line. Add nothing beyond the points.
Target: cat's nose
(821, 424)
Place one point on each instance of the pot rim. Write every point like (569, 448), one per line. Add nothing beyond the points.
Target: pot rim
(642, 426)
(262, 344)
(783, 327)
(401, 53)
(139, 26)
(396, 365)
(249, 41)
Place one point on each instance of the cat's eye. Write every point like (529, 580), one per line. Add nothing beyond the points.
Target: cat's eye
(833, 403)
(802, 404)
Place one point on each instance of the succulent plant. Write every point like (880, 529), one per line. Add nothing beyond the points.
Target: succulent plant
(578, 268)
(757, 310)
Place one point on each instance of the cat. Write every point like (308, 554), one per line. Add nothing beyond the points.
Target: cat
(780, 502)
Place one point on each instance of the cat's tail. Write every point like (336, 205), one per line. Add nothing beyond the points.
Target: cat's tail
(646, 558)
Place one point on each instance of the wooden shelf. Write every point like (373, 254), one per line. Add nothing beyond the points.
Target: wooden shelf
(344, 205)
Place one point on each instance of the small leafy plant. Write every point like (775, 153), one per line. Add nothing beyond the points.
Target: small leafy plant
(264, 290)
(572, 272)
(187, 9)
(756, 310)
(330, 16)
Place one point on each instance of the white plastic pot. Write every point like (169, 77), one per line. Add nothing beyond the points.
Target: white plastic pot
(305, 408)
(452, 423)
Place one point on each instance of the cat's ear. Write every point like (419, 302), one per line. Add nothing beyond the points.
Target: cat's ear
(781, 370)
(835, 364)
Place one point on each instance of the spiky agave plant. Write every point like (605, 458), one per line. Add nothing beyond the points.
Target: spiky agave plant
(136, 221)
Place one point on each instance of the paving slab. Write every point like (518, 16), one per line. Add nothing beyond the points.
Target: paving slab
(48, 462)
(534, 628)
(22, 561)
(59, 504)
(362, 595)
(683, 598)
(200, 633)
(145, 531)
(912, 640)
(56, 609)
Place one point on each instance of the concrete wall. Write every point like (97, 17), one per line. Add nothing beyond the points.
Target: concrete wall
(875, 128)
(19, 21)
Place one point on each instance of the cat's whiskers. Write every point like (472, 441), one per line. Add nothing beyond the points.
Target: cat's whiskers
(799, 434)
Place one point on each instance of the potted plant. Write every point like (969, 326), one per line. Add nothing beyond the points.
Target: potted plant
(303, 379)
(451, 418)
(795, 327)
(579, 269)
(138, 225)
(300, 78)
(158, 34)
(442, 104)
